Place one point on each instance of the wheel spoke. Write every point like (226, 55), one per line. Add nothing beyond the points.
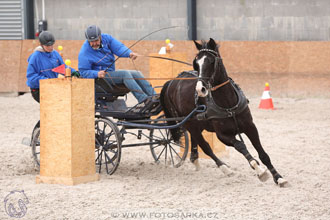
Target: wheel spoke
(110, 159)
(160, 134)
(98, 142)
(108, 137)
(112, 151)
(177, 144)
(156, 146)
(175, 152)
(98, 155)
(171, 154)
(154, 137)
(165, 155)
(106, 163)
(160, 154)
(104, 125)
(100, 161)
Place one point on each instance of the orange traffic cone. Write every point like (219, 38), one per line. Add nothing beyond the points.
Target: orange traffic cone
(266, 101)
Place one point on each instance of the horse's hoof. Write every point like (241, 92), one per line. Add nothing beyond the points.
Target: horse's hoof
(226, 170)
(197, 166)
(264, 176)
(283, 183)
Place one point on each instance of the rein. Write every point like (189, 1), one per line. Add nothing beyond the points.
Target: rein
(186, 78)
(218, 86)
(166, 58)
(142, 38)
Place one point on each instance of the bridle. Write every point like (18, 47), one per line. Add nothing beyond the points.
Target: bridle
(217, 58)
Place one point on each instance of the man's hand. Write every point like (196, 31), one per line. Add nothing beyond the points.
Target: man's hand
(101, 74)
(133, 55)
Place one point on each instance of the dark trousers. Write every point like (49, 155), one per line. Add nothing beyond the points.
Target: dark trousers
(35, 94)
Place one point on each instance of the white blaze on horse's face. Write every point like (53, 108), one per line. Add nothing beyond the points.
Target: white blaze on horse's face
(200, 89)
(200, 63)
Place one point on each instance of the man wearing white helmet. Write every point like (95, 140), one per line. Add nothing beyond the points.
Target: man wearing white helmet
(97, 54)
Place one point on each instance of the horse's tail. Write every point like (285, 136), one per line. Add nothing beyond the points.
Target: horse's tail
(175, 132)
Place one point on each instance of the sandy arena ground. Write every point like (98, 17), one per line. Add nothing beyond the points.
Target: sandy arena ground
(295, 135)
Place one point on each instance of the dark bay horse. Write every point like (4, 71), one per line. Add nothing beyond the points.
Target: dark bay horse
(227, 111)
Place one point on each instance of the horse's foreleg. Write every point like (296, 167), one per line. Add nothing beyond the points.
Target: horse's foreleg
(240, 147)
(261, 172)
(252, 134)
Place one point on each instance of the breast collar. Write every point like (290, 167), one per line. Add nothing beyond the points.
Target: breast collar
(215, 111)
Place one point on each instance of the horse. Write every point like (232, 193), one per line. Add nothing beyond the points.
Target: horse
(227, 112)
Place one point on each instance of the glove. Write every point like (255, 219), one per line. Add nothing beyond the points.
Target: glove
(75, 74)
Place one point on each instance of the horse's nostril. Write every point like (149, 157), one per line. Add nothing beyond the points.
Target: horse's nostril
(201, 90)
(204, 91)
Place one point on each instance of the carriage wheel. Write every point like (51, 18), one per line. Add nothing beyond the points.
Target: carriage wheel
(164, 149)
(35, 145)
(107, 145)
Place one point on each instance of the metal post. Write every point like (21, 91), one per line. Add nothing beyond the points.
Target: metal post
(43, 10)
(192, 24)
(28, 19)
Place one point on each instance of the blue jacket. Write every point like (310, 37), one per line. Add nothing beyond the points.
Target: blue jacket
(91, 61)
(40, 67)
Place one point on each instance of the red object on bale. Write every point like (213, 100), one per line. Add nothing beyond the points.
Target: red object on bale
(59, 69)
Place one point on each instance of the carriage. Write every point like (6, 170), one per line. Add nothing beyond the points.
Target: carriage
(114, 121)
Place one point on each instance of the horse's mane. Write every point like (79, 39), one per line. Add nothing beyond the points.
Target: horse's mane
(191, 73)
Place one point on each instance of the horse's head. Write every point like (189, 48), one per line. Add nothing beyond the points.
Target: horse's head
(206, 64)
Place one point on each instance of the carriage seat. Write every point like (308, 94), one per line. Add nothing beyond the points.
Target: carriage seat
(105, 91)
(106, 96)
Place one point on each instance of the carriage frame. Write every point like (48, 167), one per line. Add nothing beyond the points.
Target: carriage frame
(114, 120)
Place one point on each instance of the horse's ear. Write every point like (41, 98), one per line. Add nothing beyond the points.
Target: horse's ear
(212, 44)
(198, 45)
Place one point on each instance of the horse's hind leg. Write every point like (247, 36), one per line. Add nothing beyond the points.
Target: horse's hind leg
(199, 139)
(252, 134)
(194, 153)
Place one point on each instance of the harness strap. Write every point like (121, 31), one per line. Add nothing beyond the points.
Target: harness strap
(210, 51)
(237, 128)
(218, 86)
